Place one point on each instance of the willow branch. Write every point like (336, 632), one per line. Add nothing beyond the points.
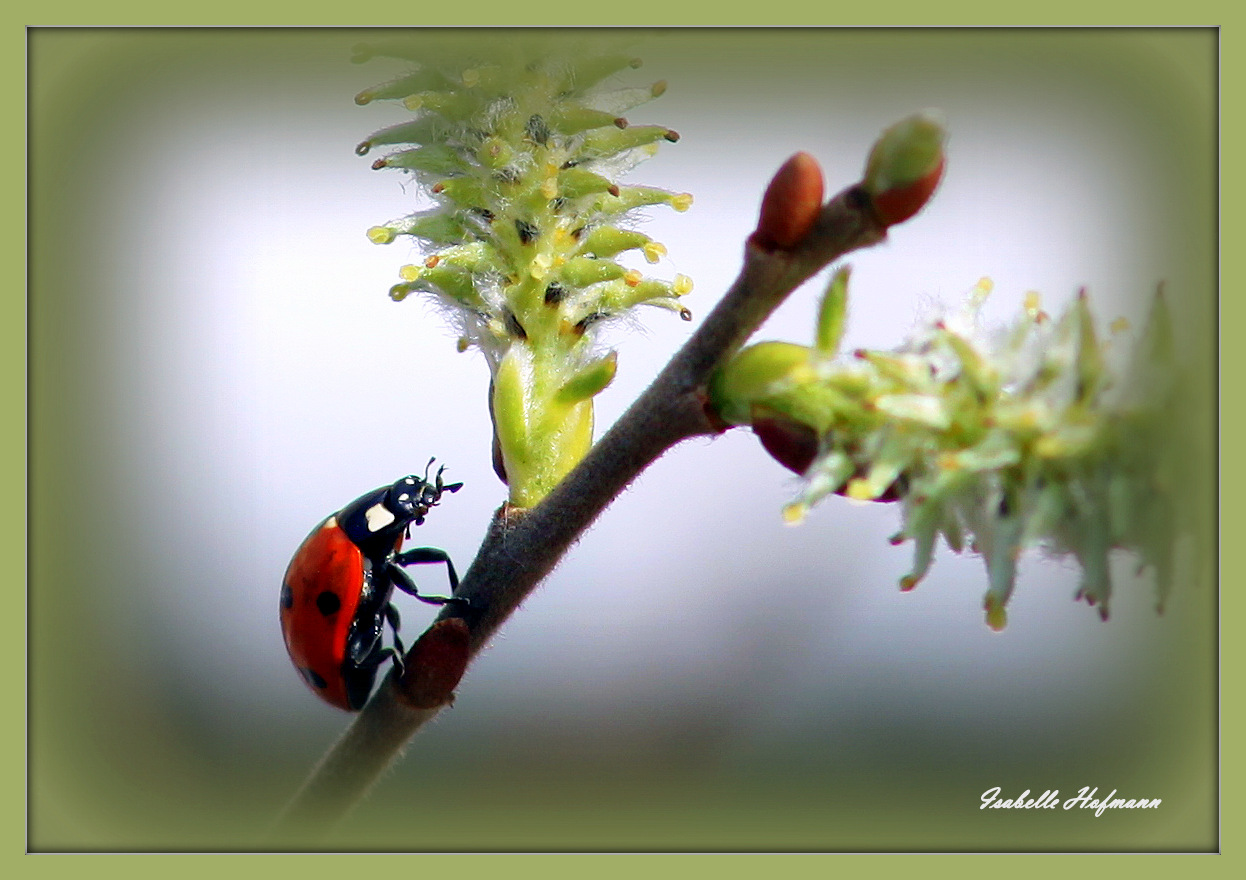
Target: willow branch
(523, 546)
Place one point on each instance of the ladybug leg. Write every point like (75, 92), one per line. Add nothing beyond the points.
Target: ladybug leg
(426, 556)
(391, 615)
(379, 657)
(363, 642)
(418, 556)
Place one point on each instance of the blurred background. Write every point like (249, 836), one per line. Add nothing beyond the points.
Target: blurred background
(215, 365)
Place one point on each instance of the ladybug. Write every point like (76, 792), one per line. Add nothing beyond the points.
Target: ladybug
(336, 591)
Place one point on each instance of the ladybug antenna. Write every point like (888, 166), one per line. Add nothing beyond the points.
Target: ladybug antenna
(429, 465)
(442, 487)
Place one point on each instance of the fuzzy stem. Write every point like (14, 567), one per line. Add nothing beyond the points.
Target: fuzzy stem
(523, 546)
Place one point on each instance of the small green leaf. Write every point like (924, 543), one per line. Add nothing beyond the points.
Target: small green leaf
(833, 314)
(590, 381)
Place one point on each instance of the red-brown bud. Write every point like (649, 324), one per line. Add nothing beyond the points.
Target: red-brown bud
(435, 665)
(899, 204)
(791, 204)
(904, 167)
(789, 442)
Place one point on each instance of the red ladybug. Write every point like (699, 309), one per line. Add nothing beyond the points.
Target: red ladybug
(335, 593)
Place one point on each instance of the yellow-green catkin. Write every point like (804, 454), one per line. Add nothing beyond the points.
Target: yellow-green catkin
(1029, 439)
(519, 151)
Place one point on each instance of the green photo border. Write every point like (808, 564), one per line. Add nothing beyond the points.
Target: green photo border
(13, 387)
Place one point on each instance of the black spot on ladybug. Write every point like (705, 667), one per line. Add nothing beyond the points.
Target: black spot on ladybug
(287, 596)
(313, 679)
(328, 602)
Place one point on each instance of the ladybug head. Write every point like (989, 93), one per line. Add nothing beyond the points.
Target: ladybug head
(412, 497)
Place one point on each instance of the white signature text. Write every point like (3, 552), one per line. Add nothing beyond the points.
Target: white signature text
(1085, 799)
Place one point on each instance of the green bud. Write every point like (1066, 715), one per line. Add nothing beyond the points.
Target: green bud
(904, 167)
(756, 374)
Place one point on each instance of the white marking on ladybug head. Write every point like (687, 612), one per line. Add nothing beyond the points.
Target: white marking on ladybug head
(378, 517)
(330, 523)
(404, 497)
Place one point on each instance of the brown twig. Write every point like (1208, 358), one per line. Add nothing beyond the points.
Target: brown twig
(523, 546)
